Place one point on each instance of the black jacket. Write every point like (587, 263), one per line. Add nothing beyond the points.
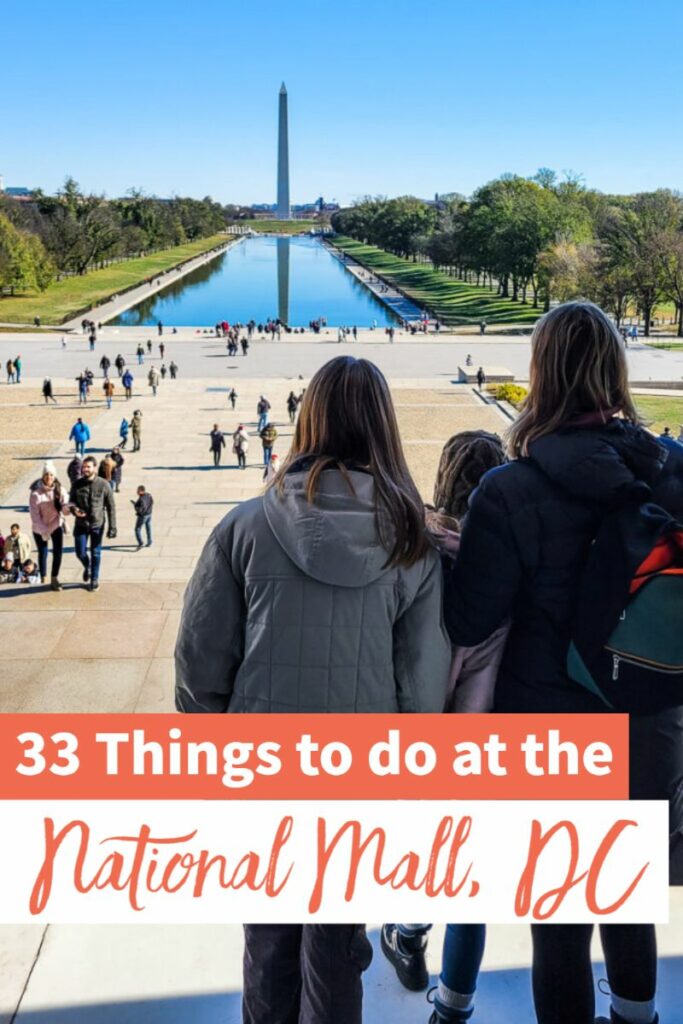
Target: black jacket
(94, 497)
(524, 543)
(144, 504)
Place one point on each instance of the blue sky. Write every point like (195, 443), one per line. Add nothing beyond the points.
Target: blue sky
(386, 96)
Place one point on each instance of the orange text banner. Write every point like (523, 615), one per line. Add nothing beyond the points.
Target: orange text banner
(314, 757)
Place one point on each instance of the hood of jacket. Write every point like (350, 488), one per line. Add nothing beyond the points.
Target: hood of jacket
(335, 539)
(597, 464)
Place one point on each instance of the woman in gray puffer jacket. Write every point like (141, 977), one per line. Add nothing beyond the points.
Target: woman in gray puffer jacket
(323, 595)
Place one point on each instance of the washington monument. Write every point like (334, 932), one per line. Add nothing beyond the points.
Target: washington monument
(283, 208)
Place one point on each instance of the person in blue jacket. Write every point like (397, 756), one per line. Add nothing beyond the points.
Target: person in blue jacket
(577, 447)
(80, 435)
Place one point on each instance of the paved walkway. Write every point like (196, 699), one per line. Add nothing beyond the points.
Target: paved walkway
(199, 353)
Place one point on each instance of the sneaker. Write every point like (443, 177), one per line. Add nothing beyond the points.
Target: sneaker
(94, 585)
(86, 575)
(410, 965)
(55, 584)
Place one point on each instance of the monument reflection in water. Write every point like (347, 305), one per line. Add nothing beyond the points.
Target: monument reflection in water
(261, 278)
(283, 279)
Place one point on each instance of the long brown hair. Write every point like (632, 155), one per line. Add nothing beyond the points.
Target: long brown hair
(464, 460)
(578, 366)
(347, 421)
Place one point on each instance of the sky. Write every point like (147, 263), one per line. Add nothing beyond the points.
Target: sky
(386, 97)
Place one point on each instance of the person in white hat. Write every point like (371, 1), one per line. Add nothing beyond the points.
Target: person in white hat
(47, 503)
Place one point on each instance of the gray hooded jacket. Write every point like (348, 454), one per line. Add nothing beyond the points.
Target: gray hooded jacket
(291, 608)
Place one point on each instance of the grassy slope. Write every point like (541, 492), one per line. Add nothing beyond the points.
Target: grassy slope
(65, 298)
(660, 411)
(451, 300)
(283, 227)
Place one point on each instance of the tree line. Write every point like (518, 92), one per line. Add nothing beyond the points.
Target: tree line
(73, 232)
(541, 239)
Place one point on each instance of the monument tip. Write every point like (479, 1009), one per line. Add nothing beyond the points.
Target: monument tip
(283, 90)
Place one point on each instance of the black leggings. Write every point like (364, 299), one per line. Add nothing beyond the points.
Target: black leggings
(57, 539)
(562, 976)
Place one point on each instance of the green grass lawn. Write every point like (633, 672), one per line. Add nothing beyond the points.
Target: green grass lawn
(282, 227)
(660, 411)
(66, 298)
(668, 345)
(451, 300)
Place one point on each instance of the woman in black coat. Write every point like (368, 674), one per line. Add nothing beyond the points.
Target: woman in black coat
(577, 447)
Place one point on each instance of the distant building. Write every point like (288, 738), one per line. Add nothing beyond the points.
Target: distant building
(19, 192)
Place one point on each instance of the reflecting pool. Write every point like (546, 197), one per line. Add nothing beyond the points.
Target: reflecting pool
(296, 279)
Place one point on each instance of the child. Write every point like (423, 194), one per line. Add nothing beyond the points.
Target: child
(465, 459)
(272, 468)
(8, 574)
(28, 573)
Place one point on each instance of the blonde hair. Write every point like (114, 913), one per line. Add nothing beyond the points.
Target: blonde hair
(578, 366)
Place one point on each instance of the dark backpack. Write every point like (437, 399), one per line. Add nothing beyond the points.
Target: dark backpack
(627, 637)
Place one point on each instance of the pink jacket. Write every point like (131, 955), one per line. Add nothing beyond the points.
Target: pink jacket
(474, 670)
(45, 517)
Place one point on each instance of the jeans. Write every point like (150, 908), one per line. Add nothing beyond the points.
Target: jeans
(146, 522)
(80, 447)
(108, 401)
(242, 460)
(216, 456)
(136, 442)
(57, 539)
(304, 974)
(562, 977)
(262, 421)
(267, 452)
(141, 359)
(92, 563)
(463, 949)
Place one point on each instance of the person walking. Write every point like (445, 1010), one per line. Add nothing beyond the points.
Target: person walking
(149, 346)
(92, 502)
(17, 369)
(123, 432)
(292, 406)
(232, 397)
(9, 365)
(245, 346)
(481, 378)
(143, 505)
(217, 444)
(160, 329)
(240, 446)
(140, 352)
(47, 502)
(127, 381)
(136, 430)
(578, 454)
(117, 472)
(105, 363)
(162, 349)
(371, 564)
(173, 370)
(482, 326)
(47, 391)
(268, 438)
(119, 363)
(163, 371)
(83, 384)
(75, 469)
(153, 379)
(108, 388)
(262, 410)
(80, 435)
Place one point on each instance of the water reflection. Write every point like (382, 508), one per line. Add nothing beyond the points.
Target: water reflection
(295, 279)
(283, 279)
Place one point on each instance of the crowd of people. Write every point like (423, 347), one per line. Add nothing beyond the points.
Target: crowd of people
(467, 605)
